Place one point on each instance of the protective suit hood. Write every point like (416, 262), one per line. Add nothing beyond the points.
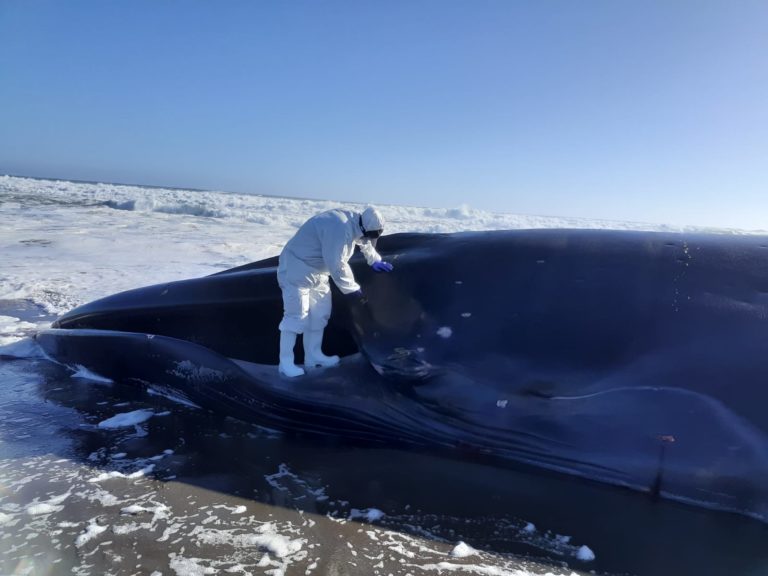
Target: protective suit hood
(371, 219)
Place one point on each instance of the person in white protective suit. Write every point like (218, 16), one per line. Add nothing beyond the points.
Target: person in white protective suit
(321, 248)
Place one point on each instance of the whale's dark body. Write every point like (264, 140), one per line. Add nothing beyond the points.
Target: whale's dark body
(637, 359)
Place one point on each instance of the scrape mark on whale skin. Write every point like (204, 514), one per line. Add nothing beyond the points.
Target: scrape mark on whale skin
(170, 394)
(189, 371)
(405, 363)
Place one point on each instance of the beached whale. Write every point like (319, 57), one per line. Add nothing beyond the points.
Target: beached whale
(632, 358)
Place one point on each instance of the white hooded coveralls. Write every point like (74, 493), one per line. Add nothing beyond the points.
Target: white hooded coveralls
(322, 247)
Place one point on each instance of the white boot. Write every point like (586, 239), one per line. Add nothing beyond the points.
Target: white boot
(287, 367)
(313, 354)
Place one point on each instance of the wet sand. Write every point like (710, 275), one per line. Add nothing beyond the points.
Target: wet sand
(188, 492)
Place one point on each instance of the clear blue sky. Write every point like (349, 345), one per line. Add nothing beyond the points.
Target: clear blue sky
(646, 110)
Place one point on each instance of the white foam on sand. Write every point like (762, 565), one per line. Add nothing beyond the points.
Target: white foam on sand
(132, 476)
(13, 329)
(218, 536)
(286, 481)
(43, 508)
(20, 347)
(367, 514)
(267, 538)
(134, 509)
(53, 504)
(5, 518)
(232, 509)
(189, 567)
(92, 530)
(462, 550)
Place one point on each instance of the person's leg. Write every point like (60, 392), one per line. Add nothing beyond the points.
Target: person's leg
(295, 318)
(319, 312)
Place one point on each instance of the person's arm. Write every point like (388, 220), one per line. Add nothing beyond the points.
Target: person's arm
(371, 256)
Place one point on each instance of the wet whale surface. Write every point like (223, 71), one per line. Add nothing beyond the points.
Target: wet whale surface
(635, 359)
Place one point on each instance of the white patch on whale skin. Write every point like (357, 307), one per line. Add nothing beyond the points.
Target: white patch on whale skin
(200, 374)
(445, 332)
(84, 373)
(127, 419)
(585, 554)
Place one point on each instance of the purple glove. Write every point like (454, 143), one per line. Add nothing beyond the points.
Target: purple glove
(382, 266)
